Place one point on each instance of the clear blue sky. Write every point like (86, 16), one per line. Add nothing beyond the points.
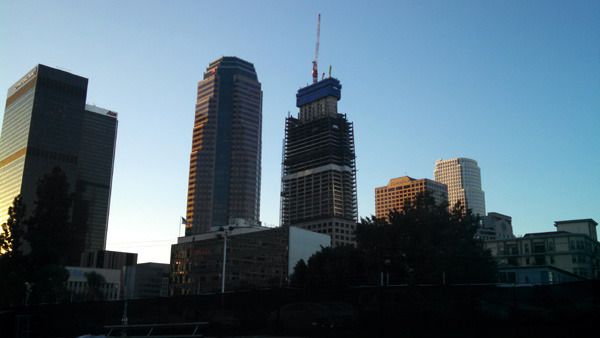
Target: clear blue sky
(514, 85)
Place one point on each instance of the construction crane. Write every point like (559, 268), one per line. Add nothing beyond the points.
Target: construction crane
(315, 69)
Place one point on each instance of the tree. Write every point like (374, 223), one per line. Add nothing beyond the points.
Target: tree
(331, 268)
(425, 243)
(299, 277)
(50, 234)
(12, 230)
(12, 261)
(428, 244)
(50, 231)
(94, 284)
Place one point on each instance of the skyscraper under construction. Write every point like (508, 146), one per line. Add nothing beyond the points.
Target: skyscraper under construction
(224, 181)
(319, 165)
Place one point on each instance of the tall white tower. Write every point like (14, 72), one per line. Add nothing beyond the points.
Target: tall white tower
(463, 178)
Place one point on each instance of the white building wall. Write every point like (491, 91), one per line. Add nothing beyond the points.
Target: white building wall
(303, 244)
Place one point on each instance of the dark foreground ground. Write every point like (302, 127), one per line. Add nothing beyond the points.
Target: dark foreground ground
(568, 310)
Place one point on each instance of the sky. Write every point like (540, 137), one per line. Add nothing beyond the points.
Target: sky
(514, 85)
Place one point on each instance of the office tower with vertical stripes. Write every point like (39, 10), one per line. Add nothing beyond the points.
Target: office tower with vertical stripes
(225, 168)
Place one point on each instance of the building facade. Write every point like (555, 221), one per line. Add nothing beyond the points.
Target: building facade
(495, 226)
(402, 190)
(79, 289)
(318, 189)
(254, 256)
(575, 252)
(225, 163)
(146, 280)
(106, 259)
(46, 125)
(463, 178)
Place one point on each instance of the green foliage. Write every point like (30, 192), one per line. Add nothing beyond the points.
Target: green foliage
(427, 244)
(424, 244)
(331, 268)
(12, 262)
(47, 242)
(50, 231)
(12, 230)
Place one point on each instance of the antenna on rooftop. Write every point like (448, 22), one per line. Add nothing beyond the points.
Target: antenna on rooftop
(315, 69)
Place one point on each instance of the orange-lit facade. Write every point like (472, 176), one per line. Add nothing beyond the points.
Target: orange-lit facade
(224, 177)
(406, 189)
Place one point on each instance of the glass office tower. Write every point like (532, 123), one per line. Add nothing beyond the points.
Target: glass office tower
(47, 124)
(224, 177)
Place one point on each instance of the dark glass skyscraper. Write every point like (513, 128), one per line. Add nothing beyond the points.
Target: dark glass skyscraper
(319, 169)
(224, 181)
(47, 124)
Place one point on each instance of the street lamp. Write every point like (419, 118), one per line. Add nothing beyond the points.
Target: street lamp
(225, 233)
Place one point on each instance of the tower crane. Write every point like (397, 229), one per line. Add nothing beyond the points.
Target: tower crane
(315, 68)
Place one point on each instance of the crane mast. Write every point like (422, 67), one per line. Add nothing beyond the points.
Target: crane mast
(315, 68)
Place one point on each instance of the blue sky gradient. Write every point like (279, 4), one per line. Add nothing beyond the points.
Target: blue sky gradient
(514, 85)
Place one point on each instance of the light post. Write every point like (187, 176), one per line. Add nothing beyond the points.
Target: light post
(224, 261)
(225, 233)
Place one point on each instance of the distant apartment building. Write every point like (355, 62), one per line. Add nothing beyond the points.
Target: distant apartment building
(254, 256)
(463, 178)
(47, 124)
(318, 185)
(573, 249)
(225, 167)
(146, 280)
(402, 190)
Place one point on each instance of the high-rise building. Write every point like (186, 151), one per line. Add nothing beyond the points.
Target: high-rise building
(393, 196)
(463, 178)
(47, 124)
(319, 169)
(224, 181)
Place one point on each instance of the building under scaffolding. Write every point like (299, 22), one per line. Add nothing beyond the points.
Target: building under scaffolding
(319, 165)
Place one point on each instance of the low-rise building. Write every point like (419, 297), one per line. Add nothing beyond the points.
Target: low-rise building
(147, 280)
(495, 226)
(106, 287)
(106, 259)
(573, 248)
(255, 257)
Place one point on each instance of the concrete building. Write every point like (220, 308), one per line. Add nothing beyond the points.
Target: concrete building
(255, 257)
(147, 280)
(495, 226)
(463, 178)
(402, 190)
(105, 259)
(46, 125)
(225, 169)
(79, 289)
(318, 188)
(573, 248)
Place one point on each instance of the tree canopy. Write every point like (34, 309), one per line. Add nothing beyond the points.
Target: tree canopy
(46, 236)
(423, 244)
